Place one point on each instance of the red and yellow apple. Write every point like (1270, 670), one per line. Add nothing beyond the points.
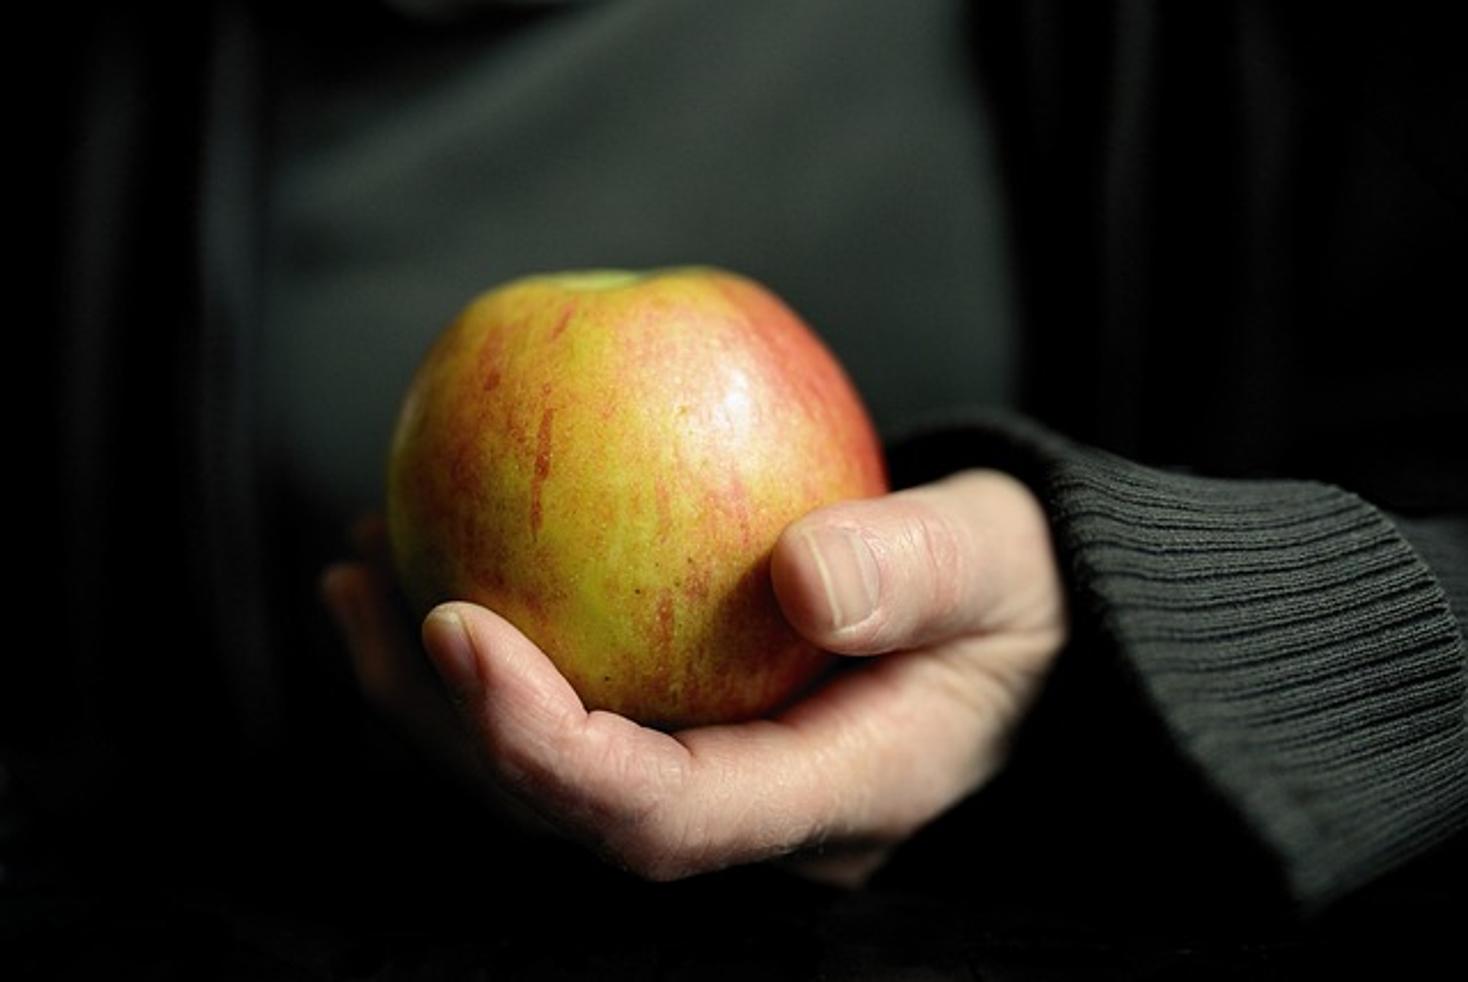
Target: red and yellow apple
(606, 460)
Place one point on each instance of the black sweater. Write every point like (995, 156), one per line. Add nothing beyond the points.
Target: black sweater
(1240, 229)
(1283, 639)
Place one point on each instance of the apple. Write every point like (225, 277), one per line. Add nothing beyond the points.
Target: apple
(606, 459)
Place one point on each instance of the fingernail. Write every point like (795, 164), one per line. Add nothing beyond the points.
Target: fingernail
(848, 572)
(448, 642)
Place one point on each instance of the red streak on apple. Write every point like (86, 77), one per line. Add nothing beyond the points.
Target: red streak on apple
(542, 467)
(658, 432)
(489, 360)
(663, 638)
(566, 313)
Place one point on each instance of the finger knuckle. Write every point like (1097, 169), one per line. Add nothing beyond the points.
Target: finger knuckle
(659, 868)
(638, 823)
(653, 851)
(935, 548)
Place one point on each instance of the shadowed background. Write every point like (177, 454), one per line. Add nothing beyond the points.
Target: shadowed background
(261, 215)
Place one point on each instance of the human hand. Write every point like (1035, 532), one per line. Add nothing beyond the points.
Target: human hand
(960, 610)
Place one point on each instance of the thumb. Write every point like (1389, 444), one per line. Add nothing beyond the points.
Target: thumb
(967, 555)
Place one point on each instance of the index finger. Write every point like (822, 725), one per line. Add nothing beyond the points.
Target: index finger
(871, 756)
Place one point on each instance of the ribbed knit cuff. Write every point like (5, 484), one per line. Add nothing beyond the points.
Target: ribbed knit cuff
(1297, 649)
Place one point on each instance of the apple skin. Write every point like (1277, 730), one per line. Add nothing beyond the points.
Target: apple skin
(606, 460)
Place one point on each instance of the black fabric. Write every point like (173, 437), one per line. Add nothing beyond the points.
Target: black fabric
(1284, 639)
(1236, 229)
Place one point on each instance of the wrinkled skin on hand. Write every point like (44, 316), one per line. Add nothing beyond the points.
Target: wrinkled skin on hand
(945, 599)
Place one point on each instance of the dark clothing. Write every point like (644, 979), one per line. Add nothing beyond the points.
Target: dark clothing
(1233, 238)
(1238, 231)
(1283, 638)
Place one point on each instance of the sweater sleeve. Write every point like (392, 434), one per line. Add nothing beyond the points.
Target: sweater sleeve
(1296, 645)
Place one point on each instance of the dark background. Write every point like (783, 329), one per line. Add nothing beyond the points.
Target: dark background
(1221, 236)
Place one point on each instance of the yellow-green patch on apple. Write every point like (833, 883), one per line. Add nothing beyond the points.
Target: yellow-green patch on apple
(606, 459)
